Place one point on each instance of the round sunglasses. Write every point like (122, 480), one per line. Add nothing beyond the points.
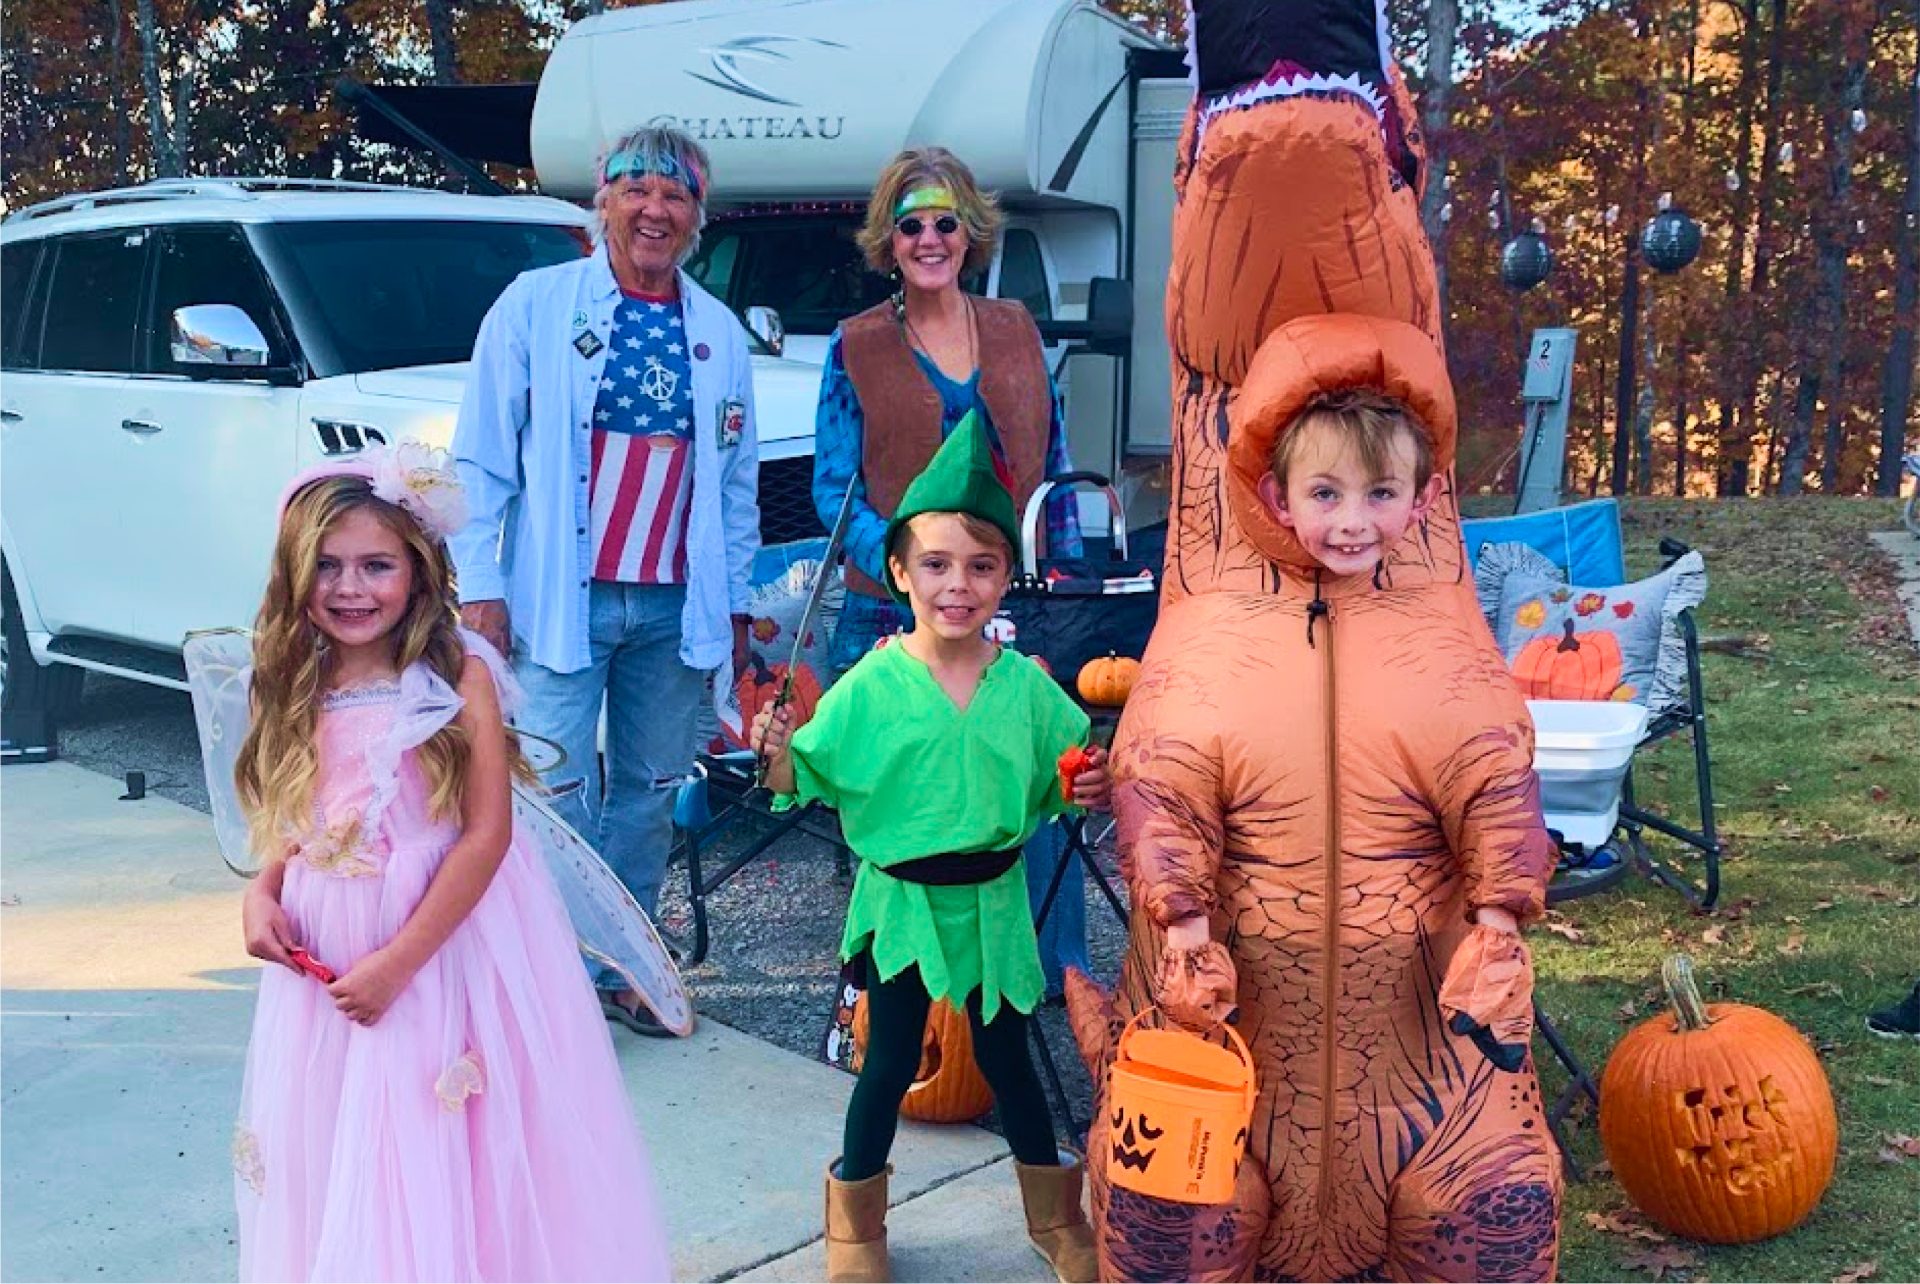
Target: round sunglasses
(912, 225)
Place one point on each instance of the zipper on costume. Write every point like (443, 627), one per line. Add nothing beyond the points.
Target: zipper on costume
(1330, 960)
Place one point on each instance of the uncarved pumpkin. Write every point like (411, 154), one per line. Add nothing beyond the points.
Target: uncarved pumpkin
(948, 1087)
(1574, 666)
(1107, 681)
(761, 682)
(1718, 1120)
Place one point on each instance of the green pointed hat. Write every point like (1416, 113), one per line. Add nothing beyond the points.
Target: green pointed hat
(966, 475)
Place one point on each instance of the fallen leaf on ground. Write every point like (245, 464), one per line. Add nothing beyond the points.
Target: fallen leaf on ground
(1819, 989)
(1795, 944)
(1625, 1222)
(1715, 935)
(1900, 1141)
(1658, 1259)
(1857, 1272)
(1822, 905)
(1562, 929)
(1878, 793)
(1880, 1081)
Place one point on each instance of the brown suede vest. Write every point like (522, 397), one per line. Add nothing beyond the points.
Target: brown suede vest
(901, 407)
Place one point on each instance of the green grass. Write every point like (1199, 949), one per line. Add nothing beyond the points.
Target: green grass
(1816, 763)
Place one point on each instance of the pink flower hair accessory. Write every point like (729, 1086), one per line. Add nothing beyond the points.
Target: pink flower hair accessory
(413, 475)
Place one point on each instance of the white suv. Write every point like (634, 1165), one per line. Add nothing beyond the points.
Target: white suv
(175, 352)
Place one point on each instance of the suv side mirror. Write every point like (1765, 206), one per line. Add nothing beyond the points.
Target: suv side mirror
(767, 327)
(219, 335)
(1108, 329)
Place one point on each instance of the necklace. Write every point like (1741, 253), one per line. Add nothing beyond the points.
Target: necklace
(973, 356)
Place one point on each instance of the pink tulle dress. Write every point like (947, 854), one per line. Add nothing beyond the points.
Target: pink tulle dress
(480, 1130)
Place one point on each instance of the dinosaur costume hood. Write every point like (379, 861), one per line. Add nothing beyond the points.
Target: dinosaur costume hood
(1312, 357)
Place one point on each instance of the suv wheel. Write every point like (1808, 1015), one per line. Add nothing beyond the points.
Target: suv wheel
(25, 683)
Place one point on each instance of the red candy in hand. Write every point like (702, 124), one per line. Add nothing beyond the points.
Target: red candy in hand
(311, 966)
(1072, 763)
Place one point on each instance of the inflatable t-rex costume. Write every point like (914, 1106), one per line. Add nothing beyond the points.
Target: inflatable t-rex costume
(1335, 771)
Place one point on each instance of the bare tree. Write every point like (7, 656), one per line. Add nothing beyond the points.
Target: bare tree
(117, 96)
(1823, 361)
(446, 68)
(1436, 119)
(1896, 386)
(166, 160)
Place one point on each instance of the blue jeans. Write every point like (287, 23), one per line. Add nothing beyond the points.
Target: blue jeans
(652, 700)
(863, 621)
(1063, 937)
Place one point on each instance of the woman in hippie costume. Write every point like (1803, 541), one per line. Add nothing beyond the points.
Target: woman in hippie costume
(942, 753)
(431, 1091)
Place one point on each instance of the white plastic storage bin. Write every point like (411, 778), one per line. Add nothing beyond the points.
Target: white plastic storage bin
(1582, 749)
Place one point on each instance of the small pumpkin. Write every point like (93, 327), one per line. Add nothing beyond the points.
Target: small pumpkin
(1574, 666)
(761, 683)
(1108, 680)
(1718, 1121)
(948, 1087)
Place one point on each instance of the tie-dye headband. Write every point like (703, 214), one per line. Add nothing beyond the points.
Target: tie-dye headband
(925, 198)
(634, 163)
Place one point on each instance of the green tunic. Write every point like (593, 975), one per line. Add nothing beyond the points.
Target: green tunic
(912, 775)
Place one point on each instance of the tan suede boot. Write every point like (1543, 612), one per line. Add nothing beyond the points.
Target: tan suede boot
(857, 1228)
(1056, 1222)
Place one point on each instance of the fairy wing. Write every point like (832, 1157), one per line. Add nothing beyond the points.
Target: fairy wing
(219, 667)
(612, 928)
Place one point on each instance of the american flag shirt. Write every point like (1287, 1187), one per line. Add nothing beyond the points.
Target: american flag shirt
(643, 446)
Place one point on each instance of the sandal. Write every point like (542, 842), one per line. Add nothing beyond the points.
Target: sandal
(636, 1018)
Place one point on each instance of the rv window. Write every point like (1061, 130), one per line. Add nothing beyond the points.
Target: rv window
(807, 269)
(712, 264)
(1023, 273)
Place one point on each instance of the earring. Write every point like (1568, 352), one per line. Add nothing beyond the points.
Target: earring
(899, 297)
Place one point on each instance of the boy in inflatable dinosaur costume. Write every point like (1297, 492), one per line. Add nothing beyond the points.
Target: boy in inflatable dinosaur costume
(1329, 775)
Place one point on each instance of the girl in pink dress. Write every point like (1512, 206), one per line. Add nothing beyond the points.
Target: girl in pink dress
(431, 1092)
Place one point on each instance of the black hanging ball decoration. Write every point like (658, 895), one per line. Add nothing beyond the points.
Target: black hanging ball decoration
(1525, 261)
(1671, 240)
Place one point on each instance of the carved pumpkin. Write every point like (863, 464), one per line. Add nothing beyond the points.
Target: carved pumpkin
(761, 683)
(1718, 1122)
(948, 1087)
(1583, 666)
(1107, 681)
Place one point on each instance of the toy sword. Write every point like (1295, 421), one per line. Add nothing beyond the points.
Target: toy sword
(835, 538)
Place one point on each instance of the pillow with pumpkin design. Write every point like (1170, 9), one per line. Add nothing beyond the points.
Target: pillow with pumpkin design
(1567, 642)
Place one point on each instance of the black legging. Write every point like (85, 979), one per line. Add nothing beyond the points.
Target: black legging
(896, 1029)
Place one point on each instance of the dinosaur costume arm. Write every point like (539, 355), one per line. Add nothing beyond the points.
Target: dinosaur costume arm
(1490, 806)
(1167, 802)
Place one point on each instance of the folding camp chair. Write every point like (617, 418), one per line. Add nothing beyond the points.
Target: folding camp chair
(718, 803)
(1585, 543)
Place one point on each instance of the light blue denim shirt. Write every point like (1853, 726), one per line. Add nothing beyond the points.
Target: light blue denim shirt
(524, 447)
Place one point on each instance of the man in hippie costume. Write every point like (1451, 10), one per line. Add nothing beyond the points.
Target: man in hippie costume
(606, 440)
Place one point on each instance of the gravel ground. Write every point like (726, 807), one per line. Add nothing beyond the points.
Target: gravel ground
(775, 927)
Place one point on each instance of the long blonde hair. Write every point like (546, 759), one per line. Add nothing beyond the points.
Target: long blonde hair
(292, 666)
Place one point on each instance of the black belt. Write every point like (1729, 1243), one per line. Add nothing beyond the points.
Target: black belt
(955, 869)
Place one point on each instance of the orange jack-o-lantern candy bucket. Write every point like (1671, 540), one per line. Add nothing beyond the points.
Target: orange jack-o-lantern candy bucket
(1178, 1106)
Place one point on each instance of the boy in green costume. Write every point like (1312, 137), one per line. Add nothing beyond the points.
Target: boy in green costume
(940, 753)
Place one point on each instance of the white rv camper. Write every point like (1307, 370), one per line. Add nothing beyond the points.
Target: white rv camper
(1067, 113)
